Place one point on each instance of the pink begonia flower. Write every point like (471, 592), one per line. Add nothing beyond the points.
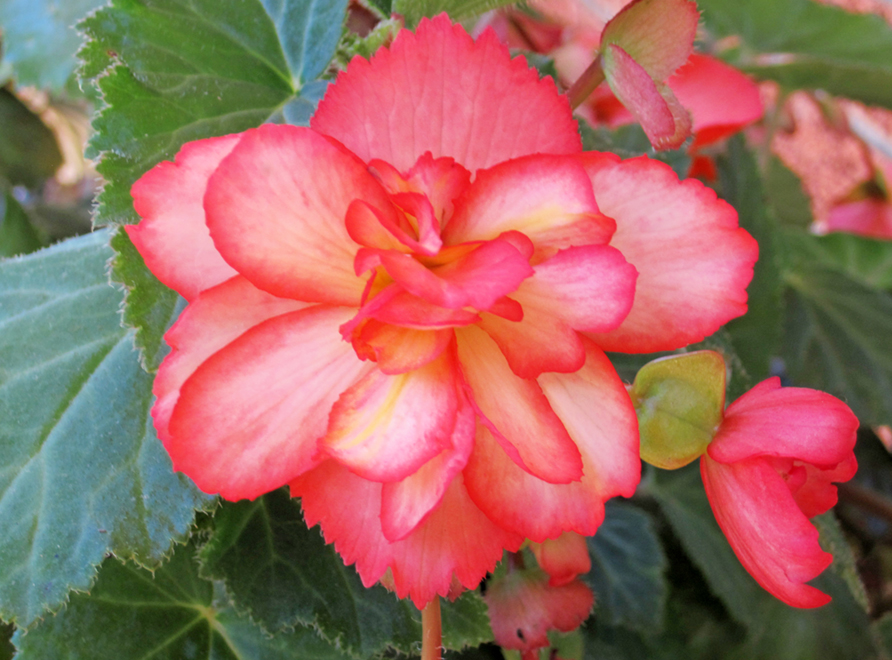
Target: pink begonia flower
(523, 606)
(770, 468)
(401, 311)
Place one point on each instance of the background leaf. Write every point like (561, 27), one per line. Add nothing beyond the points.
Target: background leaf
(415, 10)
(756, 336)
(837, 338)
(627, 570)
(39, 38)
(132, 614)
(84, 474)
(28, 150)
(824, 47)
(17, 234)
(283, 574)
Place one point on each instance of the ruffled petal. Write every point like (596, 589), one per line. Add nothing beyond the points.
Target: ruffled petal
(438, 90)
(721, 99)
(456, 539)
(547, 198)
(276, 208)
(598, 413)
(218, 316)
(406, 503)
(537, 343)
(385, 427)
(790, 422)
(519, 413)
(771, 537)
(652, 103)
(248, 420)
(590, 287)
(173, 237)
(694, 262)
(398, 350)
(817, 494)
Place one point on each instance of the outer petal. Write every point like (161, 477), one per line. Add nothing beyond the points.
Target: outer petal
(547, 198)
(596, 410)
(437, 90)
(456, 539)
(662, 117)
(693, 261)
(248, 419)
(519, 412)
(771, 537)
(173, 237)
(276, 208)
(791, 422)
(217, 317)
(384, 427)
(722, 100)
(404, 504)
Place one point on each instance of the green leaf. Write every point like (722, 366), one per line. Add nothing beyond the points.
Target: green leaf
(415, 10)
(683, 500)
(132, 614)
(176, 71)
(28, 150)
(627, 570)
(283, 574)
(17, 234)
(789, 203)
(865, 260)
(84, 474)
(833, 540)
(756, 336)
(823, 47)
(384, 6)
(837, 338)
(39, 39)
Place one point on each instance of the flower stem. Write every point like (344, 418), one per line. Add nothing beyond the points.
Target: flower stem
(431, 631)
(585, 85)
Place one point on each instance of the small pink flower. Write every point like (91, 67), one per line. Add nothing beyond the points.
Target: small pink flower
(401, 311)
(769, 469)
(524, 605)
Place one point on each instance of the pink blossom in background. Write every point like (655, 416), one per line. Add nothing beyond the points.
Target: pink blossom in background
(769, 469)
(401, 311)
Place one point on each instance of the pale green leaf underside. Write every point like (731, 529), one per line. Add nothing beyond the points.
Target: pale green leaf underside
(83, 472)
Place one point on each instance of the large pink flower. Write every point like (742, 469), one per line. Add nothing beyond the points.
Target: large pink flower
(401, 310)
(770, 468)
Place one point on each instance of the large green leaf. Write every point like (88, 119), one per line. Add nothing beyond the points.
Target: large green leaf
(823, 47)
(39, 38)
(415, 10)
(176, 71)
(756, 336)
(83, 472)
(837, 338)
(283, 574)
(627, 570)
(865, 260)
(132, 614)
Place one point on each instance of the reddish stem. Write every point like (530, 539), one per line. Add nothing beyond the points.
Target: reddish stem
(586, 84)
(431, 631)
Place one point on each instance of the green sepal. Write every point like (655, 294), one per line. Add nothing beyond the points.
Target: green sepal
(679, 401)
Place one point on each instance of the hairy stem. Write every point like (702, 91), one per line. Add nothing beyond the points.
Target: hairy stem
(431, 631)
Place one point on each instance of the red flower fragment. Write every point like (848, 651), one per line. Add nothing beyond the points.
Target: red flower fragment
(401, 311)
(769, 469)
